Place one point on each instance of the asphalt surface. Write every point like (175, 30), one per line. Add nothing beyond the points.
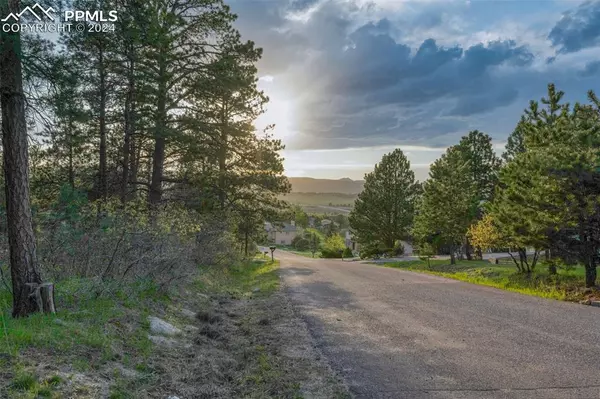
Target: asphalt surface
(397, 334)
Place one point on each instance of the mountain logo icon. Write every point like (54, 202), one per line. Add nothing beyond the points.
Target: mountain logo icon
(32, 10)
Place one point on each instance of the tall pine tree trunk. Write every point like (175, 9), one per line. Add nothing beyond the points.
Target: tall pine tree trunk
(71, 155)
(102, 126)
(129, 128)
(158, 158)
(21, 240)
(223, 154)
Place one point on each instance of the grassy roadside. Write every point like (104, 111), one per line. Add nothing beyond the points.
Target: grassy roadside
(256, 278)
(99, 329)
(240, 337)
(566, 285)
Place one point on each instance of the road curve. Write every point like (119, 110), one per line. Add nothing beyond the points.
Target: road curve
(397, 334)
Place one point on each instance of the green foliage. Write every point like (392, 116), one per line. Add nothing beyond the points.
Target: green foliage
(105, 326)
(247, 279)
(347, 253)
(449, 198)
(301, 243)
(483, 164)
(515, 143)
(299, 216)
(373, 250)
(333, 247)
(383, 212)
(376, 250)
(549, 192)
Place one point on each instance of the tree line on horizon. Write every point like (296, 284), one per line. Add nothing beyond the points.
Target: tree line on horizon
(543, 193)
(148, 128)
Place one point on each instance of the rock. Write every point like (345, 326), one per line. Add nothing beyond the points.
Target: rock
(163, 341)
(159, 326)
(128, 373)
(188, 313)
(256, 289)
(173, 397)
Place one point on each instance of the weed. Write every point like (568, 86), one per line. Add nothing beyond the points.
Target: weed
(24, 381)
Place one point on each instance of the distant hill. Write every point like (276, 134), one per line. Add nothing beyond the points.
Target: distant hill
(310, 185)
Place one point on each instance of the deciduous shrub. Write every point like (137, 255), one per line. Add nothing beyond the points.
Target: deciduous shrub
(332, 247)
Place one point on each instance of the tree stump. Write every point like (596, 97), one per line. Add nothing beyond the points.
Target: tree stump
(43, 295)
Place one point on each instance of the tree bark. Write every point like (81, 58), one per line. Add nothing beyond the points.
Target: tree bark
(129, 128)
(590, 272)
(158, 158)
(223, 154)
(71, 155)
(103, 186)
(21, 240)
(468, 249)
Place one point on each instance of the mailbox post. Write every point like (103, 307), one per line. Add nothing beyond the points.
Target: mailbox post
(273, 248)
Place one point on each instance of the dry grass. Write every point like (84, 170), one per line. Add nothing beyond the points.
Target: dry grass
(250, 344)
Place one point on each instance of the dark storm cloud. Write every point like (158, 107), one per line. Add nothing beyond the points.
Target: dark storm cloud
(365, 82)
(480, 57)
(477, 104)
(577, 29)
(429, 57)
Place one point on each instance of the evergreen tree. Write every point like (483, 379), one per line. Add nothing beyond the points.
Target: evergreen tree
(383, 211)
(483, 164)
(515, 144)
(446, 207)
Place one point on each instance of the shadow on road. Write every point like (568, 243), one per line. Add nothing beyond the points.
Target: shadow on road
(291, 271)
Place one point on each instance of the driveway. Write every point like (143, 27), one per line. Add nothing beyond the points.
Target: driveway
(397, 334)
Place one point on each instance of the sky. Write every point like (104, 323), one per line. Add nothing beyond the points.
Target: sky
(350, 80)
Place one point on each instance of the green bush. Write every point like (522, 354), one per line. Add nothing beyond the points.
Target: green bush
(348, 253)
(333, 247)
(373, 250)
(300, 243)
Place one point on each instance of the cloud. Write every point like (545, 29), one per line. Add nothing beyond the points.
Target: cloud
(478, 104)
(591, 69)
(577, 29)
(377, 72)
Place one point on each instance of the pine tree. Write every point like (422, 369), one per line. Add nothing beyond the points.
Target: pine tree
(483, 164)
(383, 211)
(22, 244)
(445, 210)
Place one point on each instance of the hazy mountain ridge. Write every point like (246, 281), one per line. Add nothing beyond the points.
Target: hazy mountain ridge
(312, 185)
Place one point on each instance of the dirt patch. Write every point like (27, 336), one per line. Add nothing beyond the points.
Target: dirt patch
(250, 348)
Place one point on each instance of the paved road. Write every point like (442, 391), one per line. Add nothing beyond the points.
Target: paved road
(398, 334)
